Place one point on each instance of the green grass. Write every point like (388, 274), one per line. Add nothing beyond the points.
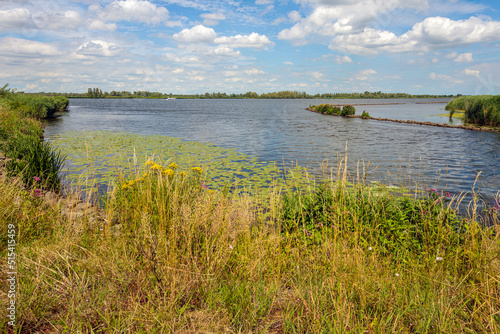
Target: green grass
(36, 162)
(481, 109)
(189, 259)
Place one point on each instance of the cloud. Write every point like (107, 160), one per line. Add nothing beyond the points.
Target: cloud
(294, 16)
(17, 46)
(100, 25)
(15, 19)
(343, 60)
(435, 76)
(368, 72)
(472, 73)
(330, 18)
(133, 10)
(254, 71)
(464, 58)
(60, 21)
(440, 32)
(212, 19)
(433, 33)
(175, 58)
(197, 34)
(253, 40)
(99, 48)
(222, 50)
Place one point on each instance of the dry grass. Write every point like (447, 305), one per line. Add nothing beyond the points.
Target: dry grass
(174, 257)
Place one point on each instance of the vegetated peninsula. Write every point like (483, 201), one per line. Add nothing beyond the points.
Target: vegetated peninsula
(97, 93)
(480, 109)
(481, 113)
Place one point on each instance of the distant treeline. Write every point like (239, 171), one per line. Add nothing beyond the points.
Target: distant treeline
(98, 93)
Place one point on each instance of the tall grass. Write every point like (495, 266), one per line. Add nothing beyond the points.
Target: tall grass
(174, 256)
(36, 162)
(481, 109)
(34, 105)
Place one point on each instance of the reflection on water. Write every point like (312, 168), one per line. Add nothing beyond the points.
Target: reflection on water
(283, 131)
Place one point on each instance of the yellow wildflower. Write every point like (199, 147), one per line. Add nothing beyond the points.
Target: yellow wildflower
(131, 183)
(156, 167)
(182, 174)
(173, 165)
(145, 174)
(149, 163)
(196, 169)
(125, 186)
(168, 172)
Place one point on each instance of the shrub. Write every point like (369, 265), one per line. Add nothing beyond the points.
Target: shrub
(365, 115)
(348, 110)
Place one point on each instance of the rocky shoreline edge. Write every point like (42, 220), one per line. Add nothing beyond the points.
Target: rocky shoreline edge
(441, 125)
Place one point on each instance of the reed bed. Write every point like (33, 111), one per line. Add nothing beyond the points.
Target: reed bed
(167, 254)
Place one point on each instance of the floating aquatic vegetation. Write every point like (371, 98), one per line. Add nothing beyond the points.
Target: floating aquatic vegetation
(101, 156)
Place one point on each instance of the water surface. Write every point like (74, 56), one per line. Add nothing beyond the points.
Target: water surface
(283, 131)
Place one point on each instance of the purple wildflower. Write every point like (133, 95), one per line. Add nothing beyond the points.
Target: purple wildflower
(204, 186)
(36, 178)
(447, 194)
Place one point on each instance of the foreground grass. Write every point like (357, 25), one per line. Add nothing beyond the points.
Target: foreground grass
(170, 255)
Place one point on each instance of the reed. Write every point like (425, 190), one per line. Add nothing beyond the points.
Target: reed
(174, 256)
(481, 109)
(36, 162)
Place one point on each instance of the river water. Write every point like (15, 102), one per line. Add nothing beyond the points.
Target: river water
(283, 131)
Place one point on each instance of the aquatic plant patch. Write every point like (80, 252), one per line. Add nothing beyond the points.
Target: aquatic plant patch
(100, 157)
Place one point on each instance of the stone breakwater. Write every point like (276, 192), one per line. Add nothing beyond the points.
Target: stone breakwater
(441, 125)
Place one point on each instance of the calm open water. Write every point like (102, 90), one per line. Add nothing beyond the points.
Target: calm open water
(283, 131)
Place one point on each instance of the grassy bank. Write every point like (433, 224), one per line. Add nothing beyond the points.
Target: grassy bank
(482, 109)
(33, 105)
(26, 155)
(169, 254)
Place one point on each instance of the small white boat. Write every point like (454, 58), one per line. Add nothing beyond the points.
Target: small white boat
(171, 98)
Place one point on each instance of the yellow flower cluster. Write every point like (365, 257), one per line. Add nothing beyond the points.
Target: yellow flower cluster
(173, 165)
(168, 172)
(132, 183)
(196, 169)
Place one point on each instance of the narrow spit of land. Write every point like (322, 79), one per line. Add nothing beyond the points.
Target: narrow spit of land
(441, 125)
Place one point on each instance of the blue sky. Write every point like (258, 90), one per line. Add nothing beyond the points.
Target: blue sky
(187, 46)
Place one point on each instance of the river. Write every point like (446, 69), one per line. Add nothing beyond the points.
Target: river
(283, 131)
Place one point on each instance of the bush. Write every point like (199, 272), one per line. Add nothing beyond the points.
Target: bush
(365, 115)
(348, 110)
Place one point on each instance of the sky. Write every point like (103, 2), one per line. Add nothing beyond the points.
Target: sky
(234, 46)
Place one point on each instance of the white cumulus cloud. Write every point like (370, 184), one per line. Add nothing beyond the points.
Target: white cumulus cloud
(254, 40)
(99, 48)
(464, 58)
(133, 10)
(14, 19)
(433, 33)
(197, 34)
(18, 46)
(212, 19)
(472, 73)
